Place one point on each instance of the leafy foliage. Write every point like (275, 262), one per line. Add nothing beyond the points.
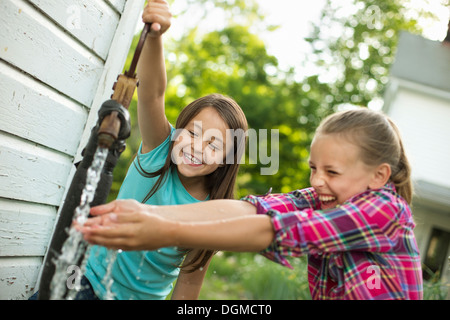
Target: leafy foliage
(353, 48)
(233, 276)
(355, 51)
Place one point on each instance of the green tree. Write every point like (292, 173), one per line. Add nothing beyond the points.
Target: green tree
(355, 45)
(233, 61)
(353, 48)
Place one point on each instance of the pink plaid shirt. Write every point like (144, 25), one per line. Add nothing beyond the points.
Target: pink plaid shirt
(362, 249)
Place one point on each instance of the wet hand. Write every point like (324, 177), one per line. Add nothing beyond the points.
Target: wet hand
(118, 206)
(126, 225)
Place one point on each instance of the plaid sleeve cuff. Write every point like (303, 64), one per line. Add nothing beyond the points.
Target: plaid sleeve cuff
(258, 202)
(278, 207)
(274, 251)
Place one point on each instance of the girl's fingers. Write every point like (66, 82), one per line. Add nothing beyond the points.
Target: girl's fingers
(111, 243)
(126, 231)
(125, 217)
(153, 2)
(103, 232)
(93, 221)
(156, 19)
(102, 209)
(115, 237)
(116, 206)
(157, 13)
(156, 27)
(111, 225)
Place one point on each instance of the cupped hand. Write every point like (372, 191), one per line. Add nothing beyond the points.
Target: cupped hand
(126, 225)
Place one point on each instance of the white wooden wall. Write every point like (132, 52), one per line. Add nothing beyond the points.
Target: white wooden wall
(423, 115)
(58, 62)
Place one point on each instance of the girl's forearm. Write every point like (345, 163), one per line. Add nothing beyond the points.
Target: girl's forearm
(205, 211)
(151, 70)
(246, 233)
(230, 225)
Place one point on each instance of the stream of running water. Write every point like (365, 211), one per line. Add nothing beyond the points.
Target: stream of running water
(74, 246)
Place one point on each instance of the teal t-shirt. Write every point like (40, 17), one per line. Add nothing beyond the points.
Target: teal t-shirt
(142, 275)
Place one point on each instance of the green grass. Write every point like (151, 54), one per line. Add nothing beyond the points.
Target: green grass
(242, 276)
(248, 276)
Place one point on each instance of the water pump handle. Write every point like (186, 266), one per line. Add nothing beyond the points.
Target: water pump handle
(126, 83)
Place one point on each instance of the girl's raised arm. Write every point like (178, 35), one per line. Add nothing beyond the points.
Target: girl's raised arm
(151, 71)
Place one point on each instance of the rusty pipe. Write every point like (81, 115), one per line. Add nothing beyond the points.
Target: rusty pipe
(109, 129)
(113, 124)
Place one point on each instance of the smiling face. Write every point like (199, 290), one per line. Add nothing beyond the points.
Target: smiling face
(201, 146)
(337, 171)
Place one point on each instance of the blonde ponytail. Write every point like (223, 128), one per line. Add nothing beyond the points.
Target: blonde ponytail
(401, 173)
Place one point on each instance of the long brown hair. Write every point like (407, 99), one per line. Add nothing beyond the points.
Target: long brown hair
(221, 182)
(379, 140)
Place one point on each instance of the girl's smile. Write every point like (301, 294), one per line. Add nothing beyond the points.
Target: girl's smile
(190, 160)
(327, 201)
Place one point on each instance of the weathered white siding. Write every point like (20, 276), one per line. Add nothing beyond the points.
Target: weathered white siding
(423, 115)
(58, 62)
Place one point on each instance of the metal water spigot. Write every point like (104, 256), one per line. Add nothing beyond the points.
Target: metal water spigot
(108, 131)
(113, 125)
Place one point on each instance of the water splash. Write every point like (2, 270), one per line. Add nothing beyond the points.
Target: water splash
(71, 295)
(74, 246)
(107, 279)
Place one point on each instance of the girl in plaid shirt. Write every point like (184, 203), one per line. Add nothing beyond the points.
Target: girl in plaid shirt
(354, 223)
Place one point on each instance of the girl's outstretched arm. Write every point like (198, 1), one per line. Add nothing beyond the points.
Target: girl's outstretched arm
(204, 211)
(129, 225)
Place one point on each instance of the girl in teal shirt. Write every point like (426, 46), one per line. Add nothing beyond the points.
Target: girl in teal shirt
(196, 161)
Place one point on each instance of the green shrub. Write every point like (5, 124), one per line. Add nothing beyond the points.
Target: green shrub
(234, 276)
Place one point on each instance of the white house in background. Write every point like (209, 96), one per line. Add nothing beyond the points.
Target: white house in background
(418, 99)
(58, 62)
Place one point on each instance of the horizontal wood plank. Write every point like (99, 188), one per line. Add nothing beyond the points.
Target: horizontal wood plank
(25, 228)
(37, 46)
(92, 22)
(18, 277)
(32, 173)
(35, 112)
